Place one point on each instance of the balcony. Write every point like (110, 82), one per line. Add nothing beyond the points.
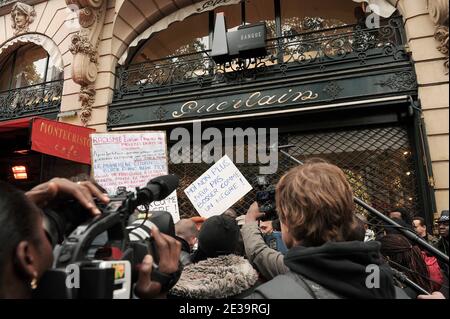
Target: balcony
(40, 99)
(317, 53)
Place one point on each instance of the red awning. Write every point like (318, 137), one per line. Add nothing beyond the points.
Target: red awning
(17, 124)
(71, 142)
(68, 141)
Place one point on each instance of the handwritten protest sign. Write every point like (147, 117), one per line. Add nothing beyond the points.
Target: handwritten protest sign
(130, 159)
(218, 188)
(169, 204)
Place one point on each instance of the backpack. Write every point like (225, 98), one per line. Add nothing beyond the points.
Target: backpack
(294, 286)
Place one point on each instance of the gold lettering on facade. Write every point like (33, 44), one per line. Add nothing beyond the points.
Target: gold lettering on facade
(237, 104)
(219, 108)
(268, 100)
(255, 99)
(253, 96)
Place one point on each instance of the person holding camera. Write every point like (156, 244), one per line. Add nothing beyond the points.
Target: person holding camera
(315, 206)
(268, 261)
(26, 251)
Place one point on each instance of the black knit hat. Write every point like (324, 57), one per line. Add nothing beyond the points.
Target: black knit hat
(219, 235)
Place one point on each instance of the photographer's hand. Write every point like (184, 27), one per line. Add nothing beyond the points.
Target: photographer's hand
(169, 250)
(253, 213)
(59, 188)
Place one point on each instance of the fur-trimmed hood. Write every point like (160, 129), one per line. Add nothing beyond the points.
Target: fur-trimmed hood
(214, 278)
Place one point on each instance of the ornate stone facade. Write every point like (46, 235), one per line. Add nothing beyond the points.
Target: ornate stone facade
(22, 15)
(439, 14)
(91, 15)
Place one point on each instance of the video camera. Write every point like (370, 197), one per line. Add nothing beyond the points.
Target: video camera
(265, 197)
(97, 257)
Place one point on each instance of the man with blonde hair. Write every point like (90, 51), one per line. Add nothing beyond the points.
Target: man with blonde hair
(316, 210)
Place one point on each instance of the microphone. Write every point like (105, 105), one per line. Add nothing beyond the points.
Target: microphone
(157, 189)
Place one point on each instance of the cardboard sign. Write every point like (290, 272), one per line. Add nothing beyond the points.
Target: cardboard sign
(129, 159)
(218, 188)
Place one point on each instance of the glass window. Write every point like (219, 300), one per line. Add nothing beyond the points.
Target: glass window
(27, 66)
(233, 15)
(184, 37)
(302, 16)
(5, 73)
(260, 11)
(30, 66)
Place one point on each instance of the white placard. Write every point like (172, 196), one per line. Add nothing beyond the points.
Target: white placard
(129, 159)
(169, 204)
(218, 188)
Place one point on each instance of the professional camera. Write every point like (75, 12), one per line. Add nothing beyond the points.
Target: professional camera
(265, 197)
(97, 257)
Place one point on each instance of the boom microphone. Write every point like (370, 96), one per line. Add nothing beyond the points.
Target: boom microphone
(156, 189)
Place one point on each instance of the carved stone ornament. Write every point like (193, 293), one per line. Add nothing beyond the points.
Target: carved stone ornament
(84, 44)
(22, 15)
(438, 10)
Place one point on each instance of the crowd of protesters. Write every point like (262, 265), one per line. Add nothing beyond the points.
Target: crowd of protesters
(317, 248)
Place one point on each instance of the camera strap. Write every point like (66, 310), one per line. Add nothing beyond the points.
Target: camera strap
(167, 281)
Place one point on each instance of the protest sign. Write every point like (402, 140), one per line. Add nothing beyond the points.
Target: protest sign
(218, 188)
(129, 159)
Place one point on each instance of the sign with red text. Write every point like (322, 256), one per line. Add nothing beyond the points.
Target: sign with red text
(219, 188)
(131, 159)
(63, 140)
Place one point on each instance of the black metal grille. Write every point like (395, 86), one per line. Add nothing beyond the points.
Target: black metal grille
(379, 163)
(31, 100)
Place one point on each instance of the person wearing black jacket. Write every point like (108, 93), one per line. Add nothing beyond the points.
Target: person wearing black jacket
(442, 243)
(315, 206)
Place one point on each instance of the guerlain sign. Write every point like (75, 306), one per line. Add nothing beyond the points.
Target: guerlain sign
(253, 100)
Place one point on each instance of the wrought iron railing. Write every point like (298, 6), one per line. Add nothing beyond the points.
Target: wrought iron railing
(324, 50)
(31, 100)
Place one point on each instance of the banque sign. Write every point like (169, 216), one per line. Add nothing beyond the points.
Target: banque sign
(254, 100)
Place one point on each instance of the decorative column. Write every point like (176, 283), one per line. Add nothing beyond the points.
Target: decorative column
(91, 15)
(438, 10)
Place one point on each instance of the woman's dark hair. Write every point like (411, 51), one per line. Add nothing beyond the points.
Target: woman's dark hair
(18, 220)
(398, 250)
